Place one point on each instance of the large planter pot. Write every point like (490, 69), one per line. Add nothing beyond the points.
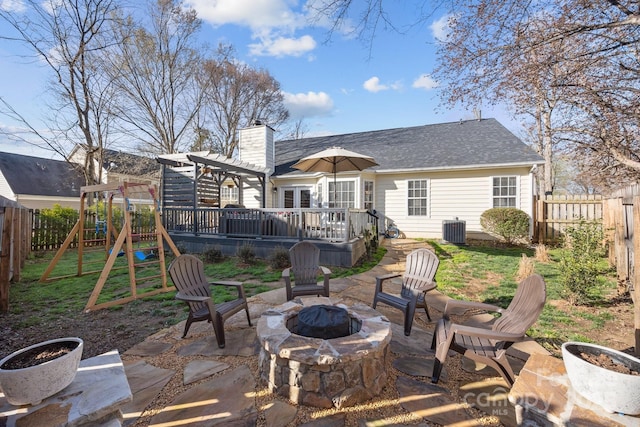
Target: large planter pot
(614, 391)
(30, 385)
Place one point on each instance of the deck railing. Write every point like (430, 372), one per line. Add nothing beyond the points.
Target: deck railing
(338, 225)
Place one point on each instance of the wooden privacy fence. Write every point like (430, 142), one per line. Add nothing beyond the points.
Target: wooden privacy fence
(622, 217)
(49, 232)
(555, 213)
(618, 222)
(15, 244)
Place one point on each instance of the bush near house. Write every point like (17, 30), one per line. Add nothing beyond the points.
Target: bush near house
(246, 253)
(279, 258)
(510, 224)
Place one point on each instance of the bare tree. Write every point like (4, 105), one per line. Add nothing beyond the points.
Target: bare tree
(531, 81)
(68, 36)
(159, 98)
(500, 51)
(237, 95)
(297, 130)
(543, 60)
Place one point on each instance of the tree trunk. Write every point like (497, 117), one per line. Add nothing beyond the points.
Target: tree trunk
(635, 280)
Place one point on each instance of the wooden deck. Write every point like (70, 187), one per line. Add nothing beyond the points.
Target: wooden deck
(341, 234)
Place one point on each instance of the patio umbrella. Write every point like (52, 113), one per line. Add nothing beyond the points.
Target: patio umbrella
(334, 160)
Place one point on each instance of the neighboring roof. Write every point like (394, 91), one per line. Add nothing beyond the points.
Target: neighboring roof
(42, 177)
(464, 144)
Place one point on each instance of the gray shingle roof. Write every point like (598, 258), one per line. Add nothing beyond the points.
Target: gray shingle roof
(38, 176)
(472, 143)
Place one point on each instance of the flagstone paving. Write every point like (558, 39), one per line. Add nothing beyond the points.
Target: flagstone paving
(230, 396)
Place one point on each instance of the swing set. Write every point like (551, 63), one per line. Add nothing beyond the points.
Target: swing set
(105, 231)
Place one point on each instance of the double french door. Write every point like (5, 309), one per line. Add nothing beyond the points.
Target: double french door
(296, 197)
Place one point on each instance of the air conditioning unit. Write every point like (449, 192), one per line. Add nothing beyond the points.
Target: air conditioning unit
(454, 231)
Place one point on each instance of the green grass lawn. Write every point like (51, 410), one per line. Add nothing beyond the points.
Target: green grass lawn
(473, 272)
(70, 293)
(488, 274)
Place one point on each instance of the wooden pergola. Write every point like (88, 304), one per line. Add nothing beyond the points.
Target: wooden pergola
(196, 179)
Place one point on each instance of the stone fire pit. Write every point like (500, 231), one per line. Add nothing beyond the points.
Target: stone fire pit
(324, 373)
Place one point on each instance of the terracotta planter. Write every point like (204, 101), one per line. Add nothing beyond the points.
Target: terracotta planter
(31, 385)
(614, 391)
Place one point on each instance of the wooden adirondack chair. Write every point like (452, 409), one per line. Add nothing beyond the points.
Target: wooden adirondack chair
(305, 260)
(418, 279)
(489, 345)
(187, 273)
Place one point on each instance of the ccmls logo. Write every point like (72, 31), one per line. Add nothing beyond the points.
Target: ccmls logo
(495, 402)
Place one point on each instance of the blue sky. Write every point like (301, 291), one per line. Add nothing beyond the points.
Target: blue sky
(338, 86)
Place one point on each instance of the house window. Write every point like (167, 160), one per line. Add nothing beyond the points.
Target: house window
(504, 191)
(296, 197)
(305, 198)
(289, 198)
(228, 194)
(368, 195)
(417, 197)
(344, 196)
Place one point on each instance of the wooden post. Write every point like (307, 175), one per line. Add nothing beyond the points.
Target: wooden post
(81, 219)
(16, 247)
(58, 256)
(541, 220)
(636, 275)
(104, 275)
(620, 247)
(5, 259)
(610, 212)
(125, 240)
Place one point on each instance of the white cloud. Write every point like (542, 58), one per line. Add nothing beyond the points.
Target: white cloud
(425, 82)
(273, 23)
(256, 14)
(310, 104)
(283, 46)
(441, 28)
(12, 5)
(374, 85)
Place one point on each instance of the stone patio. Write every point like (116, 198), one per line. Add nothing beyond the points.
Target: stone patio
(94, 398)
(192, 382)
(542, 396)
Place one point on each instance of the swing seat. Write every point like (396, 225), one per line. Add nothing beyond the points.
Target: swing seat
(101, 226)
(142, 256)
(121, 253)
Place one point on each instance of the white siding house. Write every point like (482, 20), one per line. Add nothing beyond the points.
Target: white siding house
(455, 195)
(426, 174)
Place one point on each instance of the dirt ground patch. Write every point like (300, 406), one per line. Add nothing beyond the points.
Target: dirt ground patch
(101, 330)
(616, 333)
